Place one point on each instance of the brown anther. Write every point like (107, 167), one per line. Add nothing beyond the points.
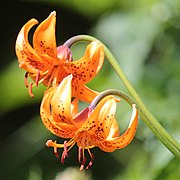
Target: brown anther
(25, 79)
(30, 90)
(91, 161)
(56, 152)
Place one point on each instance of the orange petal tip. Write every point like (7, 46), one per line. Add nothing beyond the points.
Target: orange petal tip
(134, 114)
(53, 13)
(95, 45)
(35, 21)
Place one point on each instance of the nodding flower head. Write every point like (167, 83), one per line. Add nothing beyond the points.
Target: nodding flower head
(92, 127)
(46, 63)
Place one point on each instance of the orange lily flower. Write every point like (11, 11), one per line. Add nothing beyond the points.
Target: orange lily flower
(48, 64)
(89, 128)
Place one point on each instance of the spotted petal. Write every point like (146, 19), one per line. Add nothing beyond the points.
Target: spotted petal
(83, 93)
(102, 119)
(101, 116)
(61, 102)
(87, 67)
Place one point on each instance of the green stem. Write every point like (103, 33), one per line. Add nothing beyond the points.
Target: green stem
(105, 93)
(145, 114)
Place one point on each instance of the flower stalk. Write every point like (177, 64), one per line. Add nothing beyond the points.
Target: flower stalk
(172, 144)
(114, 92)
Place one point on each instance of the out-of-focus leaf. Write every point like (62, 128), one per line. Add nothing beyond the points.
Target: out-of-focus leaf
(89, 8)
(146, 166)
(170, 171)
(13, 91)
(130, 37)
(22, 145)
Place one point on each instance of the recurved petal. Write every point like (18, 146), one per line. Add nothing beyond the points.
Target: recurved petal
(122, 141)
(87, 67)
(82, 92)
(61, 102)
(62, 130)
(27, 56)
(44, 40)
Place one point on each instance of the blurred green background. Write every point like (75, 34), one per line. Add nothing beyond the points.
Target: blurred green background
(145, 38)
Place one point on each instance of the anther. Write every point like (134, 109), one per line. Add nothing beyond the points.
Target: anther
(91, 161)
(25, 79)
(56, 152)
(82, 164)
(30, 89)
(64, 154)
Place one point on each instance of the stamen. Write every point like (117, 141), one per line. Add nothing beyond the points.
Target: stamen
(64, 154)
(91, 161)
(82, 164)
(37, 78)
(71, 144)
(50, 143)
(79, 154)
(30, 89)
(53, 78)
(83, 156)
(45, 74)
(56, 151)
(25, 79)
(66, 144)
